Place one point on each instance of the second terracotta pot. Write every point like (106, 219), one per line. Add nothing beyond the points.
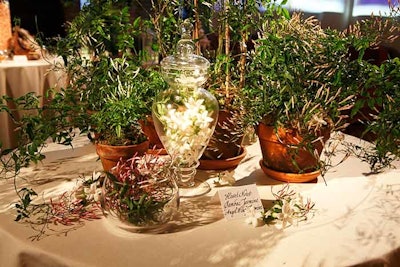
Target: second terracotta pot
(110, 155)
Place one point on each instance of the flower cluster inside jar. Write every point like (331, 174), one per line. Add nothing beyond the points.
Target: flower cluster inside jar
(187, 129)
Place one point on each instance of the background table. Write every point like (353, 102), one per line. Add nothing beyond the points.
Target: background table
(20, 77)
(357, 221)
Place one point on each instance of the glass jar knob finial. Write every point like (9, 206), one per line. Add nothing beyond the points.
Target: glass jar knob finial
(185, 46)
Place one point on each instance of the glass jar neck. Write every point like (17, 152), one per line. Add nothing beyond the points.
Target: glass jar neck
(184, 89)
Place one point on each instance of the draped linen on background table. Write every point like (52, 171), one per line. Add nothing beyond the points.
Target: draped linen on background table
(19, 78)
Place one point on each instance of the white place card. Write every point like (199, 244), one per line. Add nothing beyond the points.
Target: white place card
(236, 202)
(20, 58)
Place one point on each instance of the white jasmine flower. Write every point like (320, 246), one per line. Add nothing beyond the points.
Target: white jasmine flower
(286, 216)
(96, 175)
(268, 213)
(254, 217)
(298, 200)
(78, 190)
(289, 208)
(92, 192)
(187, 130)
(224, 178)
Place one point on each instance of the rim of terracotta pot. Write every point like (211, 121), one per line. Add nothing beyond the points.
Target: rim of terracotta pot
(125, 146)
(110, 158)
(290, 177)
(223, 164)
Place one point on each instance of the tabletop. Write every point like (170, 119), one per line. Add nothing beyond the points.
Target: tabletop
(356, 221)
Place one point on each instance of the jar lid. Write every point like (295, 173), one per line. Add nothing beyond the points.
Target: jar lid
(185, 58)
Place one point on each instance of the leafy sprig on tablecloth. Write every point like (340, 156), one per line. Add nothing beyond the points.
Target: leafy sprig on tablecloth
(69, 209)
(288, 208)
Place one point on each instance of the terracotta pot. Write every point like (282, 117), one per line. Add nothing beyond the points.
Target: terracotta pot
(225, 143)
(110, 155)
(223, 164)
(151, 133)
(283, 151)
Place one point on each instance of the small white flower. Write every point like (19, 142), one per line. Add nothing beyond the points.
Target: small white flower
(78, 190)
(255, 218)
(92, 192)
(225, 177)
(268, 213)
(286, 216)
(96, 175)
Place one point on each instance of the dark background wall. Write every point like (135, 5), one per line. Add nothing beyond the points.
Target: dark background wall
(45, 16)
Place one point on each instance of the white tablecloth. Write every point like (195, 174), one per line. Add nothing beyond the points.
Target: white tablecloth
(357, 220)
(20, 77)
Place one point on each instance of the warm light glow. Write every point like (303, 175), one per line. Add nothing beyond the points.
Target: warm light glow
(316, 6)
(84, 2)
(368, 7)
(5, 24)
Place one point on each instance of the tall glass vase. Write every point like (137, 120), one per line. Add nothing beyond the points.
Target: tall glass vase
(185, 115)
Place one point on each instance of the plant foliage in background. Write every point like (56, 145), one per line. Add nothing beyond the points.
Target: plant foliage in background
(102, 62)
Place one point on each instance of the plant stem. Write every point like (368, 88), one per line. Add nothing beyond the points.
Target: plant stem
(243, 52)
(227, 50)
(196, 26)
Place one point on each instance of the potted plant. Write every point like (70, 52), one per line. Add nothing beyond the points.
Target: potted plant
(301, 80)
(119, 133)
(117, 125)
(103, 65)
(229, 40)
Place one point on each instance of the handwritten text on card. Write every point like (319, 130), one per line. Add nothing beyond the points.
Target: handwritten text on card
(237, 201)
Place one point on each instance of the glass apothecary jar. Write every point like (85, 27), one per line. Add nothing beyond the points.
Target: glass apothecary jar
(140, 193)
(185, 114)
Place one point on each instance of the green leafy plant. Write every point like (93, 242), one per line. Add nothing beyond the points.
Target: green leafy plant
(233, 25)
(384, 122)
(131, 90)
(306, 79)
(164, 20)
(296, 75)
(102, 63)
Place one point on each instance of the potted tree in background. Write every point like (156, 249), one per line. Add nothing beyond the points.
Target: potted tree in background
(231, 27)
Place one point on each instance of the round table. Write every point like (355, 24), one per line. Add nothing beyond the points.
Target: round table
(18, 77)
(357, 221)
